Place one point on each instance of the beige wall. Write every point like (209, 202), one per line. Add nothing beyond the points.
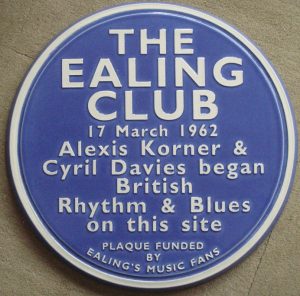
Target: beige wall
(27, 266)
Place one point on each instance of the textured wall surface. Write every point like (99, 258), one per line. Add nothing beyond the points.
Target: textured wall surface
(28, 266)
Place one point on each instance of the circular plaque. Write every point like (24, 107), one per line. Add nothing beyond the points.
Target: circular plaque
(152, 145)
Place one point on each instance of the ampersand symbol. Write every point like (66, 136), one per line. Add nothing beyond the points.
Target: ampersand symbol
(167, 207)
(240, 149)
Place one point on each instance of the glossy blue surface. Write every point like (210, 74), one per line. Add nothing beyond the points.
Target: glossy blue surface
(250, 112)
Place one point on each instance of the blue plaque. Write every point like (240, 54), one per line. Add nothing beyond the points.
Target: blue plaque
(152, 145)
